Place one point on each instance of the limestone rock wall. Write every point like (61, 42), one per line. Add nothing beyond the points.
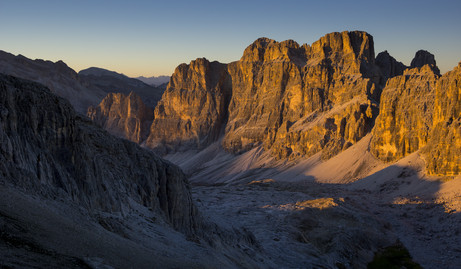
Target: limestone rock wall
(124, 116)
(421, 110)
(406, 110)
(47, 149)
(443, 153)
(279, 86)
(193, 109)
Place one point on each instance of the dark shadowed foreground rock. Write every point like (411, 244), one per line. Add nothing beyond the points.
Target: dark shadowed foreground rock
(63, 167)
(45, 148)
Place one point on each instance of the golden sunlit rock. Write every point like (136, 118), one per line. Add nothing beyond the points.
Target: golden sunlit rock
(193, 108)
(297, 100)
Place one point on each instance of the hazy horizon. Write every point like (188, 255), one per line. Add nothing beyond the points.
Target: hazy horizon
(147, 39)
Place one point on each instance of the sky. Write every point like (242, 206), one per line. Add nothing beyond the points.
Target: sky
(151, 38)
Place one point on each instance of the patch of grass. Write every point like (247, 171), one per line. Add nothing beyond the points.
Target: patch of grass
(396, 256)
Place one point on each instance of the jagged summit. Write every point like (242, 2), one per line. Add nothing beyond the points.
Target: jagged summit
(389, 66)
(346, 48)
(423, 57)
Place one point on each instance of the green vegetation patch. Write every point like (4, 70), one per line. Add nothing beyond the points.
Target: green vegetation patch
(396, 256)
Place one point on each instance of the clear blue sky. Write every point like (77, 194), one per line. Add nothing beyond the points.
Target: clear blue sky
(151, 38)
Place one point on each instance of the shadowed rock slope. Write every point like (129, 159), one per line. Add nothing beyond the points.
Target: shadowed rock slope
(58, 77)
(56, 163)
(87, 88)
(48, 150)
(112, 82)
(122, 115)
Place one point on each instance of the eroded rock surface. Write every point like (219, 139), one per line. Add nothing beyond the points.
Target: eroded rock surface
(443, 153)
(122, 115)
(421, 110)
(193, 109)
(46, 149)
(405, 119)
(298, 100)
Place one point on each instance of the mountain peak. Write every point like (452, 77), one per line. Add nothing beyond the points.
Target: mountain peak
(423, 57)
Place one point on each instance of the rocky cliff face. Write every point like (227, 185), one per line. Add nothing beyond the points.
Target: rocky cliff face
(294, 100)
(193, 109)
(46, 149)
(122, 115)
(405, 119)
(297, 100)
(443, 153)
(421, 110)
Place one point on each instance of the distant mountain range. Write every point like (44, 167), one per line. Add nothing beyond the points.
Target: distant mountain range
(113, 82)
(84, 89)
(155, 81)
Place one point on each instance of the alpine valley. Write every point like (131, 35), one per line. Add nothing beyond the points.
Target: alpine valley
(295, 156)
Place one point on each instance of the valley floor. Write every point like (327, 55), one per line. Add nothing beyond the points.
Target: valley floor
(312, 225)
(328, 214)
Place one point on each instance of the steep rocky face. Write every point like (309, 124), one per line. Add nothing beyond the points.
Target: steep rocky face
(299, 100)
(389, 66)
(46, 149)
(122, 115)
(443, 152)
(423, 57)
(421, 110)
(193, 109)
(406, 110)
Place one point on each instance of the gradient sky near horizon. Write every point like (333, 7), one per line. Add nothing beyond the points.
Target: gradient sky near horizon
(153, 37)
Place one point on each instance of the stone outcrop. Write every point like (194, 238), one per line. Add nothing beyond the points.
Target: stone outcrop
(298, 100)
(423, 57)
(405, 119)
(48, 150)
(193, 109)
(124, 116)
(389, 66)
(442, 154)
(421, 110)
